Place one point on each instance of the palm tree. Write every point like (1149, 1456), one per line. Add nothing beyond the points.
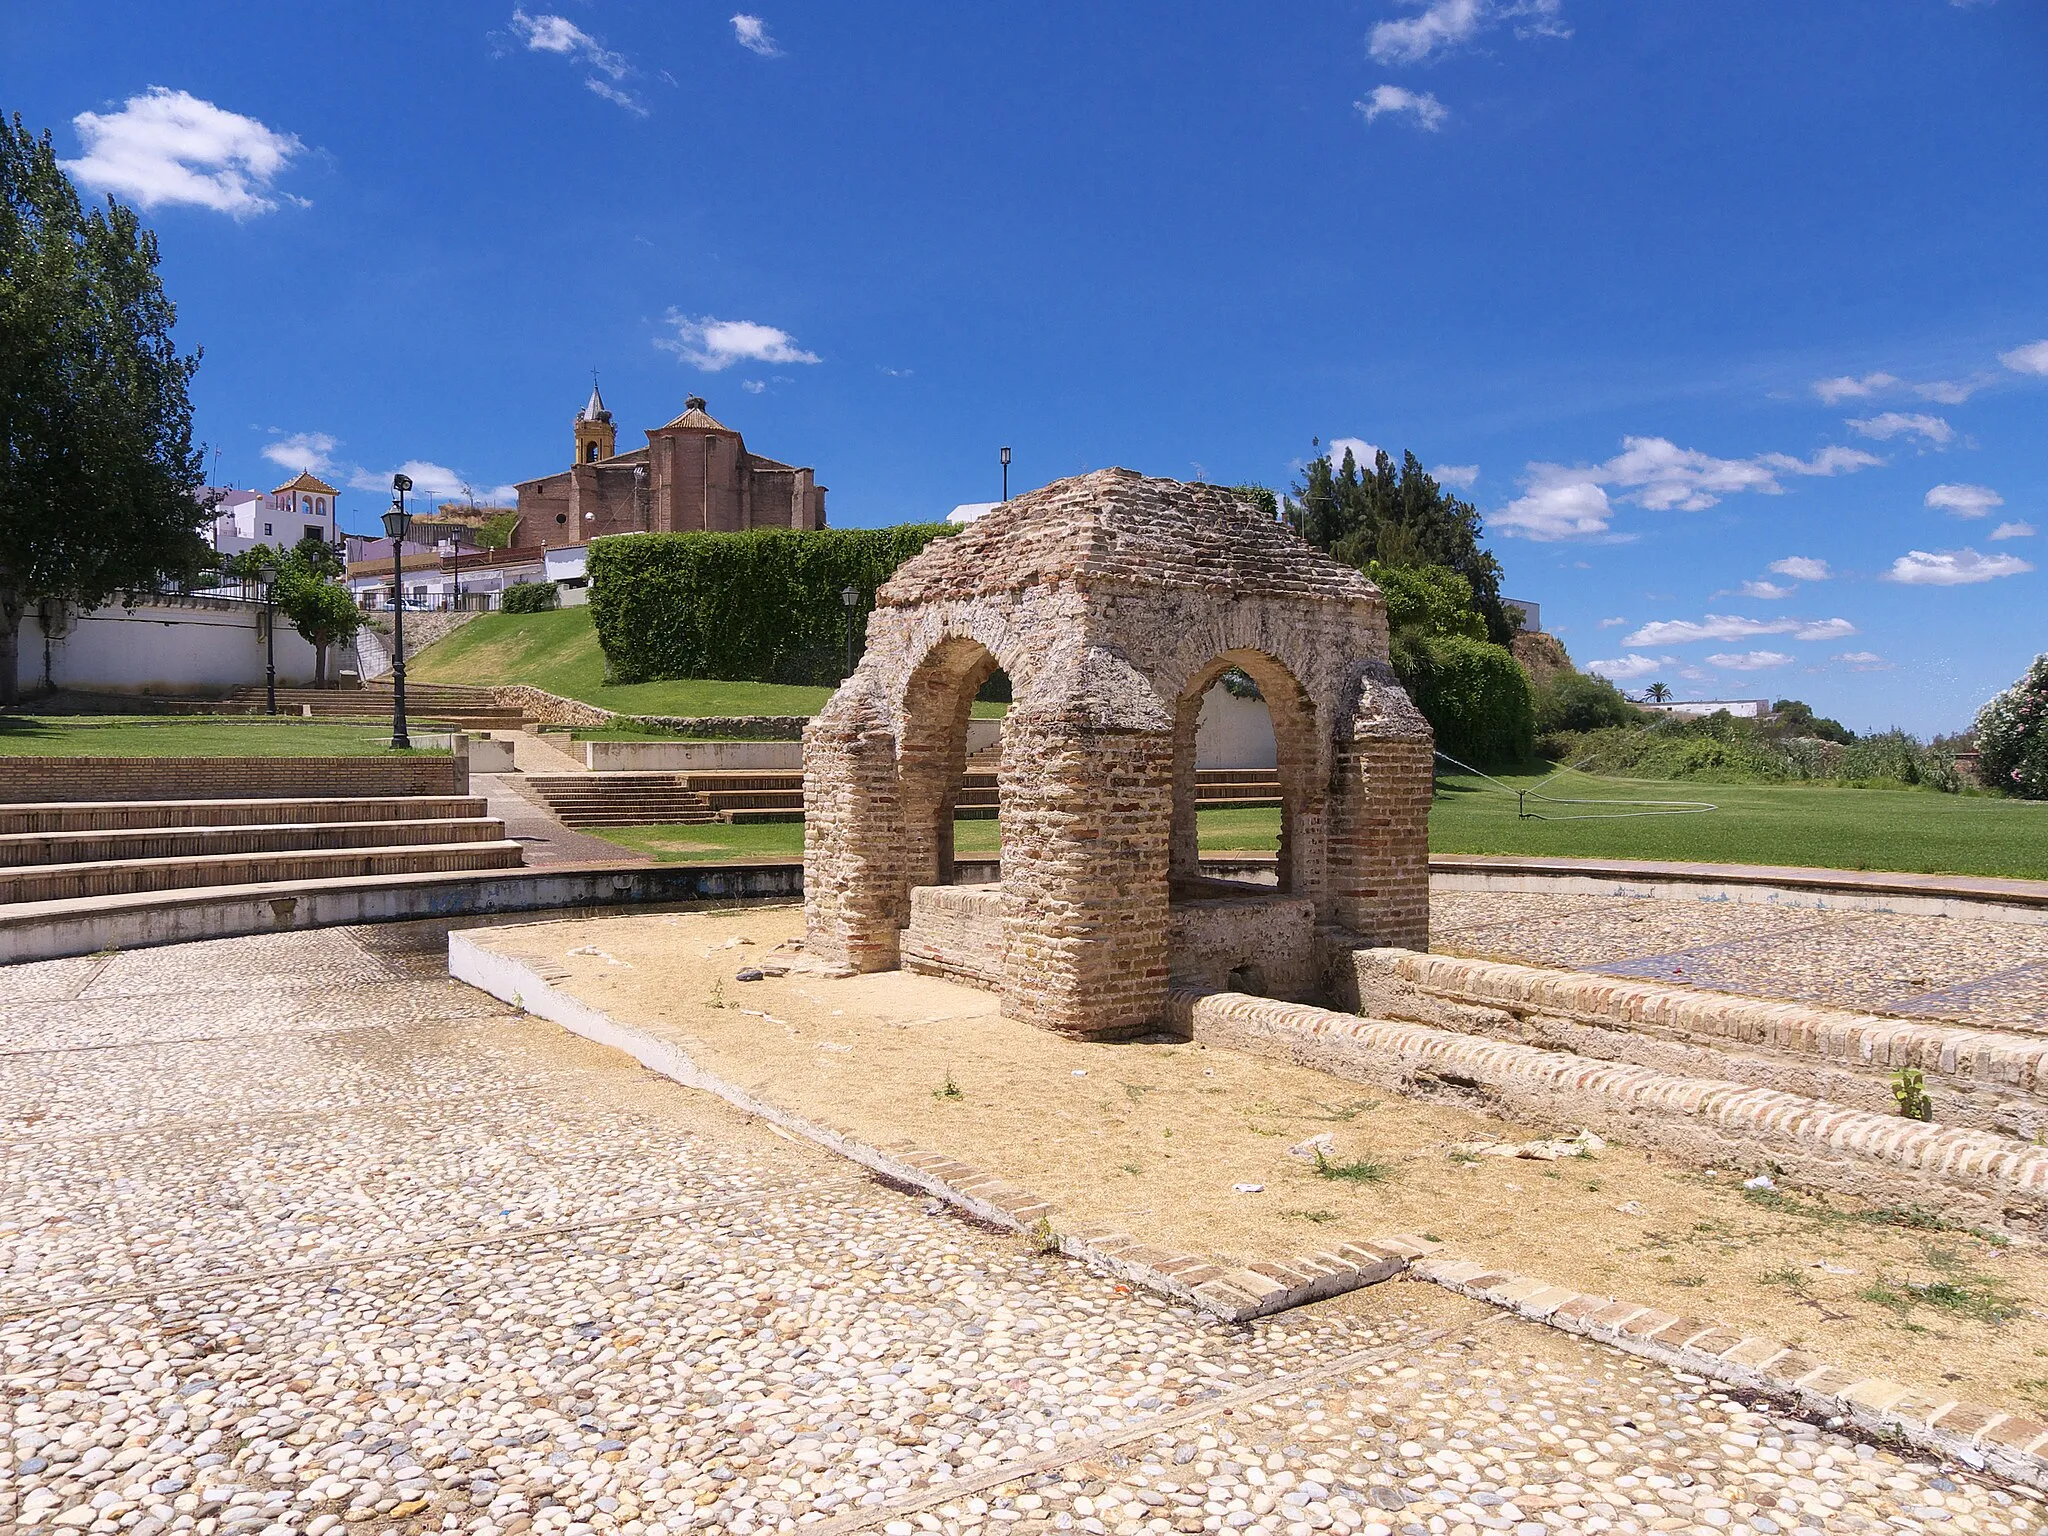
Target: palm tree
(1657, 693)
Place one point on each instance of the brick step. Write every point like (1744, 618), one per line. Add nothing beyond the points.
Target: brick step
(123, 877)
(759, 817)
(1975, 1076)
(122, 815)
(23, 849)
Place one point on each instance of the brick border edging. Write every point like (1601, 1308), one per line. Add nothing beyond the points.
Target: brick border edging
(2012, 1445)
(1233, 1296)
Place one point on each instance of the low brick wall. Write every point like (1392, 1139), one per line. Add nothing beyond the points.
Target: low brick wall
(1986, 1079)
(956, 931)
(1972, 1176)
(36, 780)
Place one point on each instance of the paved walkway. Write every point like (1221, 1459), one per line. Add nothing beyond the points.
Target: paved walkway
(1975, 972)
(298, 1236)
(546, 840)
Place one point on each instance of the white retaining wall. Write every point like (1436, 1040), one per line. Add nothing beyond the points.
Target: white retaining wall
(164, 645)
(1233, 732)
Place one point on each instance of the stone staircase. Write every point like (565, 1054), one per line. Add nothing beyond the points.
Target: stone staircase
(579, 800)
(634, 799)
(450, 704)
(64, 851)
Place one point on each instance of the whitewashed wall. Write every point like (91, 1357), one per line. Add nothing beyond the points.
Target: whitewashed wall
(1233, 732)
(165, 645)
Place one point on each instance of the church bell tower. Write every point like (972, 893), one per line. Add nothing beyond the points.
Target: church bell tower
(596, 438)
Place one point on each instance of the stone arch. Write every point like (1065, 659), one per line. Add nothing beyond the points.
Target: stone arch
(936, 703)
(1296, 738)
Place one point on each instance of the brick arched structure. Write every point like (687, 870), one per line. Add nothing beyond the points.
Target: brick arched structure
(1113, 602)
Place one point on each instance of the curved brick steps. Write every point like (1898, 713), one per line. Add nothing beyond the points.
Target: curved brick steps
(620, 799)
(115, 815)
(123, 877)
(29, 849)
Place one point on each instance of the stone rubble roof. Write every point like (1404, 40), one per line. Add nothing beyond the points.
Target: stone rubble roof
(1120, 528)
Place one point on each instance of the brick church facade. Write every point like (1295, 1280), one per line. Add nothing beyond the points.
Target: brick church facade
(695, 475)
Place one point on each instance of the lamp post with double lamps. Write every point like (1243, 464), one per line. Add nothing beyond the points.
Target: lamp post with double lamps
(850, 596)
(268, 576)
(397, 523)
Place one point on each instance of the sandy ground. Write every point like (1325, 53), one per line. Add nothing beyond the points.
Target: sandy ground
(1152, 1137)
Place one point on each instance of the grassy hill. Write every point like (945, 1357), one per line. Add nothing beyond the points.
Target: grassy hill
(558, 651)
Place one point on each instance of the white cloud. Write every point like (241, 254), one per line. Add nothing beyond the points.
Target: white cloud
(303, 450)
(1903, 424)
(168, 146)
(1834, 391)
(1564, 502)
(2032, 358)
(1948, 391)
(1952, 568)
(1748, 661)
(713, 344)
(1447, 24)
(1964, 500)
(1556, 508)
(429, 480)
(1622, 669)
(1459, 477)
(751, 33)
(1728, 626)
(1612, 623)
(1865, 661)
(752, 386)
(2013, 531)
(559, 35)
(1429, 113)
(1802, 568)
(1364, 454)
(1766, 591)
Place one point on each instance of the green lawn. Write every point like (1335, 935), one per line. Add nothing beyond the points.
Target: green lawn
(1905, 829)
(1914, 830)
(185, 736)
(558, 651)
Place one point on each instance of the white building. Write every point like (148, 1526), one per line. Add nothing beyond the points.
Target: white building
(1741, 709)
(302, 508)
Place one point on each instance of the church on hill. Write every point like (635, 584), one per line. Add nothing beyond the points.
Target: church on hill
(695, 475)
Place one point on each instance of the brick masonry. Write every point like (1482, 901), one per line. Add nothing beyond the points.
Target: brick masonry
(1975, 1176)
(34, 780)
(1986, 1079)
(1113, 602)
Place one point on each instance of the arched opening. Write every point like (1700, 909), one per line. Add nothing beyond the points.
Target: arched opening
(939, 735)
(590, 453)
(1243, 736)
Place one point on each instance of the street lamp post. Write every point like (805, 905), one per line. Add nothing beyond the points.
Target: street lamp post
(268, 576)
(397, 522)
(1006, 473)
(455, 533)
(850, 596)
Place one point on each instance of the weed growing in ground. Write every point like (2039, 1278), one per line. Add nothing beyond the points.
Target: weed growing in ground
(1909, 1089)
(1364, 1170)
(1318, 1217)
(1690, 1282)
(1042, 1234)
(1133, 1168)
(717, 997)
(1794, 1280)
(1341, 1114)
(1962, 1292)
(948, 1089)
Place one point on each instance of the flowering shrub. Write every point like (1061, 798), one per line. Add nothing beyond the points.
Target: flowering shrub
(2012, 736)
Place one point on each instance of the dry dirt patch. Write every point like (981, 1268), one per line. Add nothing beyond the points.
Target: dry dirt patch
(1153, 1138)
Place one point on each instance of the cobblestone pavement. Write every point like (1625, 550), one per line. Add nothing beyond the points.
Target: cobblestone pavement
(301, 1237)
(1924, 967)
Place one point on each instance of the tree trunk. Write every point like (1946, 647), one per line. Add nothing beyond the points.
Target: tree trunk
(319, 663)
(11, 606)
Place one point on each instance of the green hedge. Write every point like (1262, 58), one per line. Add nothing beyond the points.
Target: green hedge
(530, 597)
(760, 606)
(1473, 693)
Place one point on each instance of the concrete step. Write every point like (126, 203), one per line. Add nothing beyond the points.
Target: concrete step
(121, 815)
(21, 849)
(117, 877)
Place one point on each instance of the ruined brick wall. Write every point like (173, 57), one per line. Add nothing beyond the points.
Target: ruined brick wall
(1113, 602)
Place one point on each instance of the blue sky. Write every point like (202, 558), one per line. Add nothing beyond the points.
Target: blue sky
(1732, 318)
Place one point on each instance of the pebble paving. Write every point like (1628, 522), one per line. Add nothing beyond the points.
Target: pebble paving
(1974, 972)
(300, 1237)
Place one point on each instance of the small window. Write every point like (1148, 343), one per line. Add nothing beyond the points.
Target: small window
(266, 530)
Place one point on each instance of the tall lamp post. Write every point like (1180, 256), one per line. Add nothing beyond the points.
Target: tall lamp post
(455, 533)
(397, 522)
(1006, 473)
(850, 596)
(268, 576)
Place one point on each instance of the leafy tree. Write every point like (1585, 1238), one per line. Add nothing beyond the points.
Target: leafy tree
(530, 597)
(1430, 599)
(308, 592)
(1657, 693)
(1399, 518)
(1794, 717)
(97, 465)
(1577, 701)
(1260, 496)
(1475, 695)
(2012, 736)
